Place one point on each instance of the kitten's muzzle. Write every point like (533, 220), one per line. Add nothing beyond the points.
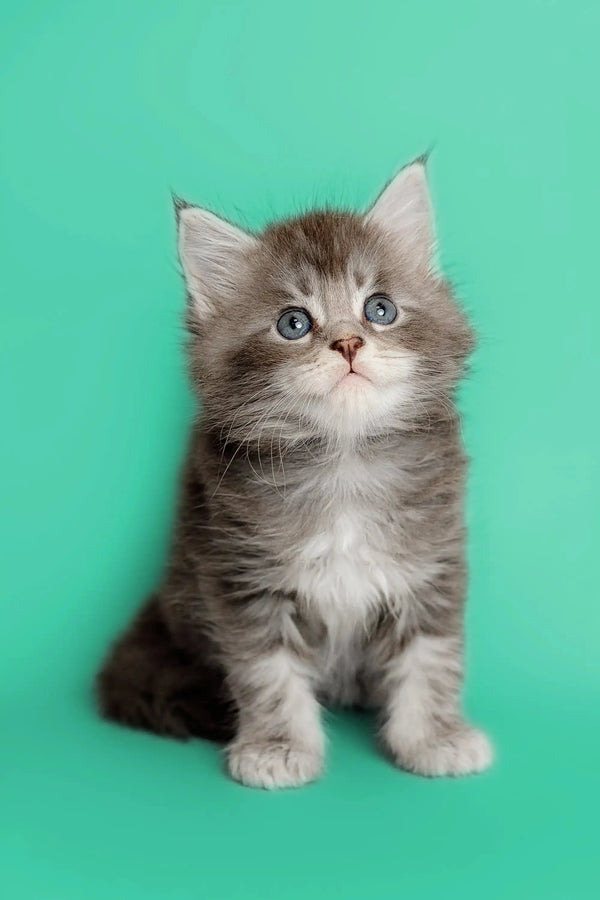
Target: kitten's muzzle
(348, 347)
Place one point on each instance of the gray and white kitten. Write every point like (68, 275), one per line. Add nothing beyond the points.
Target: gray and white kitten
(319, 553)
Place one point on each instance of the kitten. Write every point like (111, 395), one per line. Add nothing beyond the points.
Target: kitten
(319, 550)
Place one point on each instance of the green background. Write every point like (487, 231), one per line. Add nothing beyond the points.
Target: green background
(259, 109)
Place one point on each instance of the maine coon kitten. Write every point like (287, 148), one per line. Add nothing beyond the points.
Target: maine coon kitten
(319, 549)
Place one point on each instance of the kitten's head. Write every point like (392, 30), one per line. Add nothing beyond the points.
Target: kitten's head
(332, 325)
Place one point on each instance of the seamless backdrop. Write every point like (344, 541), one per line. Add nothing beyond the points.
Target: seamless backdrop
(259, 109)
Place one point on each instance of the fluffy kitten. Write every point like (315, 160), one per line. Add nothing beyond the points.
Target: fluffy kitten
(319, 549)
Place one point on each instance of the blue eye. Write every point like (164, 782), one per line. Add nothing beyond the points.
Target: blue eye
(380, 309)
(294, 324)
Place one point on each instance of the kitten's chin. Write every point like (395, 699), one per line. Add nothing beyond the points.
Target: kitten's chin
(354, 408)
(352, 405)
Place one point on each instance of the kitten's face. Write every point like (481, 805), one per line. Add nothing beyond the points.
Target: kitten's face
(331, 325)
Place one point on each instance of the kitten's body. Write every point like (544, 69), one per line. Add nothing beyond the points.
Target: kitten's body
(319, 552)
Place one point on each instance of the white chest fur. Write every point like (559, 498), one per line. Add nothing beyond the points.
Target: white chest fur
(340, 568)
(346, 564)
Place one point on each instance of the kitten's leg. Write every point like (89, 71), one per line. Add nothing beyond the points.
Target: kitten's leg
(424, 729)
(279, 741)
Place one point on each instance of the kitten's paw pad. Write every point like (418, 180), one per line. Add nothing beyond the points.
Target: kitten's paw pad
(460, 752)
(273, 765)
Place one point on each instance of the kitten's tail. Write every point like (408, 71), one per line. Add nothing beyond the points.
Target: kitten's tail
(147, 682)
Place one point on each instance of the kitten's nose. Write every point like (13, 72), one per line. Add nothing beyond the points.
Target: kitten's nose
(348, 347)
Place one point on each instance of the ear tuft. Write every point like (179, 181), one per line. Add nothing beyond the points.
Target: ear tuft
(212, 253)
(404, 211)
(178, 204)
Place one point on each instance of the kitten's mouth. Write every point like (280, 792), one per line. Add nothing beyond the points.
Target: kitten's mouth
(352, 377)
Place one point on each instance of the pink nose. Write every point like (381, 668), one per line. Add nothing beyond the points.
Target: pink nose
(348, 347)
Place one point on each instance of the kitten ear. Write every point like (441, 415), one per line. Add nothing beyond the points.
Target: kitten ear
(212, 253)
(404, 211)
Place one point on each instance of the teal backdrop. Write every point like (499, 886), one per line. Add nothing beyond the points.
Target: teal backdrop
(259, 109)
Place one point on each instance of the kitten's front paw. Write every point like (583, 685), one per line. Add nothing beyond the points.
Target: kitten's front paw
(273, 764)
(461, 752)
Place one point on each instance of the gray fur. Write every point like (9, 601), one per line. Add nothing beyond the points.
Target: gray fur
(319, 553)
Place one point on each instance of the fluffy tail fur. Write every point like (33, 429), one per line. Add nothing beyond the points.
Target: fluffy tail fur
(148, 682)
